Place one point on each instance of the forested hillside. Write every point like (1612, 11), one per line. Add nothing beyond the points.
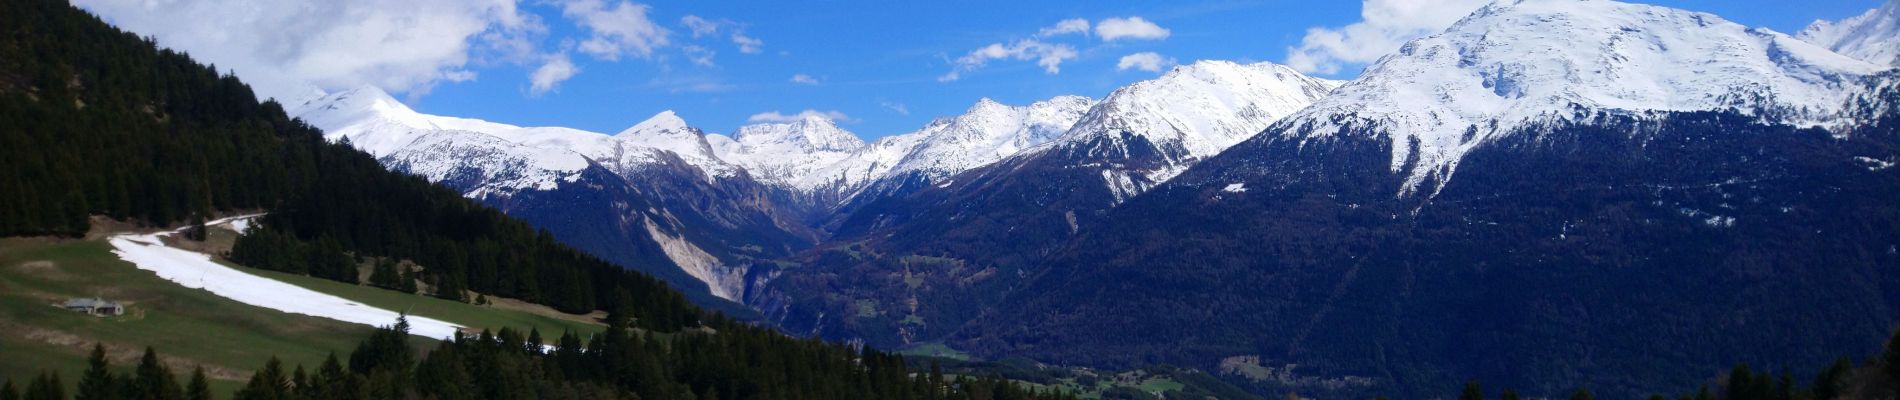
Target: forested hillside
(96, 121)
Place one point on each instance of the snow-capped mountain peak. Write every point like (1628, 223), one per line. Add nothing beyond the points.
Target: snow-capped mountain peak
(664, 122)
(811, 132)
(1201, 108)
(1873, 36)
(986, 132)
(1519, 62)
(787, 153)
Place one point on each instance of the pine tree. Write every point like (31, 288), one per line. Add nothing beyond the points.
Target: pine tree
(1891, 360)
(199, 388)
(196, 231)
(96, 383)
(408, 278)
(46, 387)
(153, 381)
(8, 392)
(1473, 391)
(1831, 383)
(1582, 394)
(267, 384)
(384, 275)
(1509, 394)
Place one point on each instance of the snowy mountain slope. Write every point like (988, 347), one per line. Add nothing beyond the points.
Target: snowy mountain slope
(785, 153)
(1199, 109)
(1517, 63)
(1192, 112)
(981, 231)
(652, 192)
(1873, 36)
(666, 131)
(987, 132)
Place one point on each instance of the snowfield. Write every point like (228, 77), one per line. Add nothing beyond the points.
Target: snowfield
(196, 270)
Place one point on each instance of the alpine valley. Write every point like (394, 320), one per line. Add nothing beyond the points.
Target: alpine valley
(1547, 195)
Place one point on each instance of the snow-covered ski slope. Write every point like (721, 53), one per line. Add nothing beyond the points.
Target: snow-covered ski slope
(196, 270)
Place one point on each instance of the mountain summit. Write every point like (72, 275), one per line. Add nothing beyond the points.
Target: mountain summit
(1523, 62)
(1873, 36)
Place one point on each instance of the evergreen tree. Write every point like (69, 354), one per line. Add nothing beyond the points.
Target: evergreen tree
(1831, 383)
(1473, 391)
(1508, 394)
(267, 384)
(1890, 361)
(384, 275)
(153, 381)
(196, 231)
(199, 388)
(407, 278)
(1582, 394)
(97, 382)
(387, 350)
(46, 387)
(9, 392)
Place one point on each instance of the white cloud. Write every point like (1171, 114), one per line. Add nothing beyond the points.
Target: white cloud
(1145, 61)
(1384, 26)
(1048, 55)
(803, 79)
(1129, 28)
(699, 26)
(698, 55)
(895, 107)
(284, 47)
(617, 29)
(776, 117)
(747, 44)
(689, 84)
(1064, 27)
(550, 75)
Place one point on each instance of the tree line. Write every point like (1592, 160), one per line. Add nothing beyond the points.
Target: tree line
(101, 122)
(621, 363)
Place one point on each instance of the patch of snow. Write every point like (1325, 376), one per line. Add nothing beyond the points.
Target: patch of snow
(1235, 188)
(1874, 164)
(196, 270)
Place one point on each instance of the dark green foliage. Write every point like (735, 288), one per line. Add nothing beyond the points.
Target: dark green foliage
(196, 230)
(384, 275)
(9, 392)
(1473, 391)
(200, 387)
(152, 381)
(97, 382)
(1582, 394)
(1890, 361)
(46, 387)
(1831, 383)
(1509, 394)
(268, 383)
(102, 122)
(387, 350)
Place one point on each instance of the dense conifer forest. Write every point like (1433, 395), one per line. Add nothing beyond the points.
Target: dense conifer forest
(98, 121)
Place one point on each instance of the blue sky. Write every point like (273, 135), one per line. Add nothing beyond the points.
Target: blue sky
(877, 65)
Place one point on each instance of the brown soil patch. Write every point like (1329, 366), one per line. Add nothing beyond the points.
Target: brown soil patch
(120, 354)
(537, 309)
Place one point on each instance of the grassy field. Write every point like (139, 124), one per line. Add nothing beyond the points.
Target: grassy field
(192, 327)
(189, 327)
(464, 314)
